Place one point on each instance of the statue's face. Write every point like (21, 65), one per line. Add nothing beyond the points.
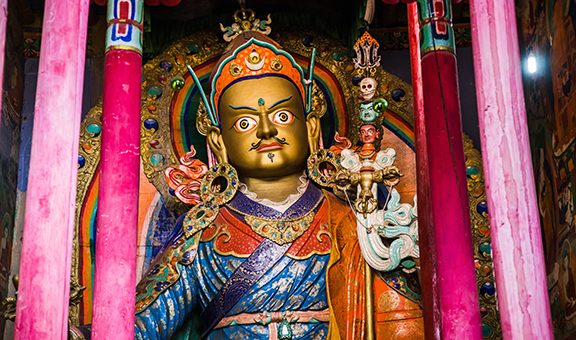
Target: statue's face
(367, 112)
(369, 134)
(263, 127)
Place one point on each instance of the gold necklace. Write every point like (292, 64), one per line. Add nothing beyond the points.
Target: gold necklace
(279, 231)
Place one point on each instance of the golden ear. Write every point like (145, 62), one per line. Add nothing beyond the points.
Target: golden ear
(216, 143)
(319, 107)
(313, 127)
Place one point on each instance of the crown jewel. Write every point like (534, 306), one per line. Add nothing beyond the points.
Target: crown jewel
(245, 21)
(253, 59)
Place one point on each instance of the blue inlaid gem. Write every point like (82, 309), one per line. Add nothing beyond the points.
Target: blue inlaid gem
(151, 124)
(397, 94)
(307, 40)
(260, 101)
(81, 161)
(356, 80)
(482, 208)
(488, 288)
(166, 65)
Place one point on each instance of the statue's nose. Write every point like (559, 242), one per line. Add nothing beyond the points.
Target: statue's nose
(266, 128)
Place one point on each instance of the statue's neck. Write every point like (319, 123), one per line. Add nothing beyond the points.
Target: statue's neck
(275, 189)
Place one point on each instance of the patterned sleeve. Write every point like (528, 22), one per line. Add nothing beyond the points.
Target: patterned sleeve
(167, 295)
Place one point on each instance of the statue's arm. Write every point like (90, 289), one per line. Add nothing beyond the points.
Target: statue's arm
(167, 294)
(170, 310)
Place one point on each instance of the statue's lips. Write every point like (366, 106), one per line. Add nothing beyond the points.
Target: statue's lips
(269, 147)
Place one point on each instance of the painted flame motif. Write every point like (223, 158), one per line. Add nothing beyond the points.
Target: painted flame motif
(185, 178)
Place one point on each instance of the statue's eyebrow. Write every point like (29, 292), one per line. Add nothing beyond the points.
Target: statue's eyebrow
(242, 108)
(279, 102)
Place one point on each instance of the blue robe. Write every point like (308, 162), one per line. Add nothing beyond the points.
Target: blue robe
(176, 295)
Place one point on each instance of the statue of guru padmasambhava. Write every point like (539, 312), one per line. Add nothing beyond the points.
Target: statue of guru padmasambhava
(265, 253)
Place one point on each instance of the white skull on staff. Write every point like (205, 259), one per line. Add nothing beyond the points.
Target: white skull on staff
(368, 88)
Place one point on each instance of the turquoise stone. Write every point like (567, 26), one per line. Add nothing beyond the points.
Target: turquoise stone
(486, 330)
(156, 159)
(284, 331)
(155, 91)
(408, 264)
(485, 248)
(94, 129)
(260, 101)
(472, 170)
(193, 48)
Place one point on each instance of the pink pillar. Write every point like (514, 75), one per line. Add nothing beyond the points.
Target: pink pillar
(458, 310)
(117, 220)
(3, 22)
(43, 294)
(425, 235)
(511, 195)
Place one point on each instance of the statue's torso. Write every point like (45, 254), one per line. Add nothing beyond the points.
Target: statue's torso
(297, 282)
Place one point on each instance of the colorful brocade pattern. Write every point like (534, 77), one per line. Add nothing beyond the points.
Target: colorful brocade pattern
(311, 276)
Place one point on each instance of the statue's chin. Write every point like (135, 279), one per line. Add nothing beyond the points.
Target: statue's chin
(272, 172)
(271, 165)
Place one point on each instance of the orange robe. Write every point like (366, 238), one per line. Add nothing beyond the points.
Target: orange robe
(395, 316)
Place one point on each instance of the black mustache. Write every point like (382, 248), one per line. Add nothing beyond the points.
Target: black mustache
(281, 141)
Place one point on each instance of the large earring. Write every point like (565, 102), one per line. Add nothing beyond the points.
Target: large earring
(219, 185)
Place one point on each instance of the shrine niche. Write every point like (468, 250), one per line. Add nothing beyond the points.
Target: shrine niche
(171, 102)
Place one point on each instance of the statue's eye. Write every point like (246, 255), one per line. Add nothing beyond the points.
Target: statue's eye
(245, 124)
(283, 117)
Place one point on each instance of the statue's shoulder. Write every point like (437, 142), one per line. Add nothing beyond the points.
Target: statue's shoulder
(199, 218)
(338, 207)
(336, 201)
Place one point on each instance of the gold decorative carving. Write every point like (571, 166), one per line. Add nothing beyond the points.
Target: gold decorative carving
(481, 238)
(158, 141)
(280, 231)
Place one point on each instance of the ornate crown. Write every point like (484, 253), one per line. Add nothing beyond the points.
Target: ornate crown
(254, 55)
(255, 59)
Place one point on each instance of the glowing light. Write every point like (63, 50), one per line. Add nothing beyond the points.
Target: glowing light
(532, 64)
